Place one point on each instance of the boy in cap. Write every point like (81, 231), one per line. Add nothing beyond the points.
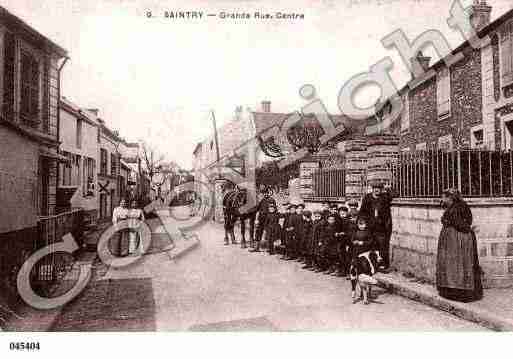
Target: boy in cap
(272, 228)
(315, 248)
(344, 232)
(327, 239)
(288, 229)
(325, 209)
(306, 235)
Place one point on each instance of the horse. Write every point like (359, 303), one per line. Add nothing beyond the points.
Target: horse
(233, 200)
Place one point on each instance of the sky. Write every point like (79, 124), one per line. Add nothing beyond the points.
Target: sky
(156, 79)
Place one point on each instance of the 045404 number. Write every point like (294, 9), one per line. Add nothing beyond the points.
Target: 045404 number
(24, 346)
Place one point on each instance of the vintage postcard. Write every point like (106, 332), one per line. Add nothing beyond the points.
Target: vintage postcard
(255, 166)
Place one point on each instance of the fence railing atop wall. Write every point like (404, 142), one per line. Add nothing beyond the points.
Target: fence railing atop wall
(476, 173)
(329, 183)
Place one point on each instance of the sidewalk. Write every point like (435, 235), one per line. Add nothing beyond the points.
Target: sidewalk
(494, 311)
(165, 239)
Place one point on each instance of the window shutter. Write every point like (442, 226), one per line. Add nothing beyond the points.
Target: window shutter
(444, 92)
(9, 76)
(46, 95)
(405, 122)
(507, 55)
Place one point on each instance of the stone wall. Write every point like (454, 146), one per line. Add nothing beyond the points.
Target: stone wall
(416, 226)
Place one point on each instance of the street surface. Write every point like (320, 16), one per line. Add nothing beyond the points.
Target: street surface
(226, 288)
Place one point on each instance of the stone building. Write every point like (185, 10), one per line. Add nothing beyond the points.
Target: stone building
(30, 70)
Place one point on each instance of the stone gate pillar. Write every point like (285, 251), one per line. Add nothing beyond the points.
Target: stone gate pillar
(382, 152)
(355, 164)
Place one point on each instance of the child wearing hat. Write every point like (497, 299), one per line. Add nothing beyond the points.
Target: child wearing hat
(306, 235)
(344, 233)
(288, 228)
(314, 251)
(272, 228)
(326, 240)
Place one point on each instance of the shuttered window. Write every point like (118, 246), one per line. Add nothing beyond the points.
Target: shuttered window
(9, 76)
(29, 101)
(405, 118)
(506, 49)
(443, 92)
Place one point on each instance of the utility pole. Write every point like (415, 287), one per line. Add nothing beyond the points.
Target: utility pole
(216, 139)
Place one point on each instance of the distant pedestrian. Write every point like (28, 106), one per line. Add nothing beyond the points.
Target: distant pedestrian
(458, 274)
(263, 210)
(119, 214)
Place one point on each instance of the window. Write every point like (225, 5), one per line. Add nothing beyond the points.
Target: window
(445, 143)
(30, 82)
(66, 169)
(405, 150)
(89, 168)
(103, 161)
(79, 133)
(506, 50)
(421, 146)
(405, 118)
(113, 166)
(477, 137)
(443, 92)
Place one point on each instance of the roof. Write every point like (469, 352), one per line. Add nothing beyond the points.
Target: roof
(492, 26)
(76, 111)
(16, 21)
(267, 120)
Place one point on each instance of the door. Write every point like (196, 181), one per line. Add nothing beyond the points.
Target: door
(44, 183)
(103, 205)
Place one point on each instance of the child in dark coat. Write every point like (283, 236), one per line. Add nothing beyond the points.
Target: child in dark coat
(362, 241)
(315, 244)
(306, 237)
(272, 228)
(327, 238)
(344, 233)
(288, 228)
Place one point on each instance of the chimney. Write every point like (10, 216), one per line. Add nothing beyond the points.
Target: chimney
(238, 113)
(480, 14)
(422, 60)
(95, 111)
(266, 106)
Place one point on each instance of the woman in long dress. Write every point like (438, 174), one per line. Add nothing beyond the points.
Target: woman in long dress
(134, 214)
(458, 275)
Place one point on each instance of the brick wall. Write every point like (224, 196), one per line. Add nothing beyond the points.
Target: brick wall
(466, 105)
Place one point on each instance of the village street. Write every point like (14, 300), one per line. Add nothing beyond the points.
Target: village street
(225, 288)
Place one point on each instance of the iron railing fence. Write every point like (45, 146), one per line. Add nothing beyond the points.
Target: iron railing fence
(51, 230)
(329, 183)
(476, 173)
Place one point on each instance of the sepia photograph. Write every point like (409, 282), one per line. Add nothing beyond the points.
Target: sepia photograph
(247, 167)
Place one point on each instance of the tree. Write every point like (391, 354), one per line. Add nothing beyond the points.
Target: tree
(157, 168)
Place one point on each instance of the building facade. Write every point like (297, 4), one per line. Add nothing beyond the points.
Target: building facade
(30, 66)
(109, 157)
(78, 177)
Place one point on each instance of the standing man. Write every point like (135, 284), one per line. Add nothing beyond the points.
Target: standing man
(377, 207)
(263, 211)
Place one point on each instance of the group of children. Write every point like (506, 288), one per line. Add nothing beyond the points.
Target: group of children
(334, 240)
(326, 240)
